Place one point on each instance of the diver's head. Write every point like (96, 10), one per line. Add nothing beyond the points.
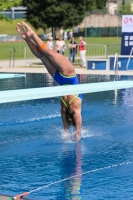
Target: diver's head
(69, 118)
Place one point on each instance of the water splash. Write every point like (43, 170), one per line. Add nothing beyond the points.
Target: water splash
(87, 133)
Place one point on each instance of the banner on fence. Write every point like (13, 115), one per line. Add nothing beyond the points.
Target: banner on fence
(127, 34)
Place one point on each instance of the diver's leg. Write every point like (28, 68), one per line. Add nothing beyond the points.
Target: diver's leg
(51, 69)
(61, 63)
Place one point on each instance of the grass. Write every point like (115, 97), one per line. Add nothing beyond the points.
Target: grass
(102, 40)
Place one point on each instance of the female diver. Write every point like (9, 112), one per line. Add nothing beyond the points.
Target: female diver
(62, 71)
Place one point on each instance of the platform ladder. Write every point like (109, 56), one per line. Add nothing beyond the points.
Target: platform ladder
(12, 56)
(129, 60)
(116, 67)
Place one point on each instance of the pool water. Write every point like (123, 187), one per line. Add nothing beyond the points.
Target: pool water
(33, 153)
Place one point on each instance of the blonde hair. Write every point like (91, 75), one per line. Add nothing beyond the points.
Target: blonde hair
(50, 38)
(80, 37)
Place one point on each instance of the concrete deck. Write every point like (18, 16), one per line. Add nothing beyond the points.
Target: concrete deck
(20, 66)
(3, 197)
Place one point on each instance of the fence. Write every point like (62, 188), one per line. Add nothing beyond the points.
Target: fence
(99, 32)
(92, 50)
(113, 48)
(10, 38)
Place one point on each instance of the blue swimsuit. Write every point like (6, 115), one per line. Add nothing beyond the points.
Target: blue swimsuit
(67, 80)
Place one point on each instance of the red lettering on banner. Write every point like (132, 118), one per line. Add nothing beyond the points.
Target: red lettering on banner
(128, 20)
(131, 20)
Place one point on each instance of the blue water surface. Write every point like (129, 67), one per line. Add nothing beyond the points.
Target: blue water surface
(34, 155)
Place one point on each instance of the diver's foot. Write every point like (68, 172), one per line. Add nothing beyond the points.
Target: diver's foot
(29, 31)
(21, 30)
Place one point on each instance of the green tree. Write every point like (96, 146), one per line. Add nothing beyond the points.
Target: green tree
(7, 4)
(125, 9)
(58, 13)
(101, 4)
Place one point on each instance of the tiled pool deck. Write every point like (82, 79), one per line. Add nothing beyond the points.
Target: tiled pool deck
(21, 67)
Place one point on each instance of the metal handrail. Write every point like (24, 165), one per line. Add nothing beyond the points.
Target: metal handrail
(116, 66)
(129, 59)
(12, 56)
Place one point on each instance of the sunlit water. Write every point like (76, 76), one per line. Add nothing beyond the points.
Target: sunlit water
(33, 153)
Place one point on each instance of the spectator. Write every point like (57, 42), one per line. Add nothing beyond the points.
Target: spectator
(82, 52)
(73, 49)
(60, 46)
(50, 43)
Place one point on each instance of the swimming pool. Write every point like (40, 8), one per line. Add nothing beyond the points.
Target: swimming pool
(33, 154)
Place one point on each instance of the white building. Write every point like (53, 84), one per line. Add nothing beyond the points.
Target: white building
(112, 6)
